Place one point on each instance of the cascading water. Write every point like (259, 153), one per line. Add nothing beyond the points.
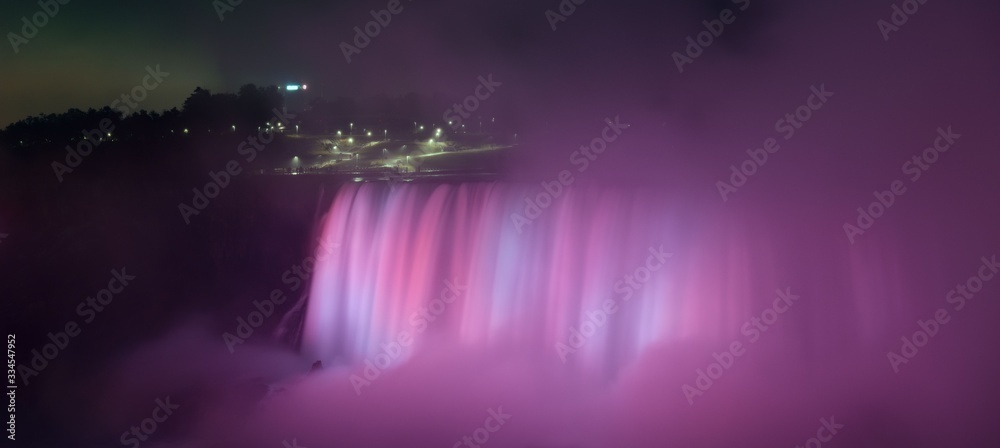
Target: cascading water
(592, 279)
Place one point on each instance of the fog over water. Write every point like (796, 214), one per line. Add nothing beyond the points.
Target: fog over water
(667, 260)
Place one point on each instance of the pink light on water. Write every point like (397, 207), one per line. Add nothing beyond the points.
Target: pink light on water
(403, 249)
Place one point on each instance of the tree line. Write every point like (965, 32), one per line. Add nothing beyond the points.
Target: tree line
(204, 112)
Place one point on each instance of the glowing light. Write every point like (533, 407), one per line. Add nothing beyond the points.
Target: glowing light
(352, 307)
(292, 87)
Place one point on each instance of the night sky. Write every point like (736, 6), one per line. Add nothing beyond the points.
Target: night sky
(604, 59)
(91, 52)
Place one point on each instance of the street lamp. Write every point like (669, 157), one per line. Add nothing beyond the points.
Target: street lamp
(352, 128)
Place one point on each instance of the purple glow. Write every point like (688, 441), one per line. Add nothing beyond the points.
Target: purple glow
(431, 301)
(535, 287)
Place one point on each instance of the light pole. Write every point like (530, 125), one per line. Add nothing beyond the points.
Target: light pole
(352, 128)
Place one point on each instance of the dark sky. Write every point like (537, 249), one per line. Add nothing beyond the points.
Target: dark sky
(90, 52)
(604, 55)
